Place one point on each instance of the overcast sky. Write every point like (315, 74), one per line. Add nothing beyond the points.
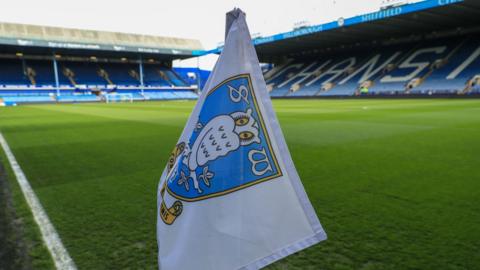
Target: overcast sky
(199, 19)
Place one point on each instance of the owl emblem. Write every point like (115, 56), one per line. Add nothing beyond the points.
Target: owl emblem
(220, 136)
(227, 148)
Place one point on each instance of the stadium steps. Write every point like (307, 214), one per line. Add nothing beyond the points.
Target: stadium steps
(268, 75)
(338, 88)
(104, 74)
(472, 85)
(318, 88)
(375, 79)
(415, 82)
(323, 88)
(164, 77)
(437, 65)
(174, 78)
(356, 86)
(70, 75)
(476, 88)
(134, 74)
(31, 73)
(378, 87)
(280, 92)
(297, 89)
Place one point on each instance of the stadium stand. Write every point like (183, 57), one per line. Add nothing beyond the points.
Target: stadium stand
(33, 81)
(440, 66)
(12, 73)
(60, 68)
(411, 49)
(123, 75)
(193, 76)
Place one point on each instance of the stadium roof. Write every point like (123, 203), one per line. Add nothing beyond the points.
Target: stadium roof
(426, 17)
(43, 39)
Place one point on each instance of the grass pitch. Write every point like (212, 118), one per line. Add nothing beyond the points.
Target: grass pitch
(396, 183)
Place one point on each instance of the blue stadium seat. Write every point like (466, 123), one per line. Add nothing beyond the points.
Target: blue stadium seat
(11, 72)
(84, 73)
(184, 74)
(44, 71)
(307, 91)
(341, 90)
(78, 98)
(438, 81)
(169, 94)
(173, 77)
(119, 73)
(185, 94)
(28, 99)
(389, 69)
(35, 74)
(151, 76)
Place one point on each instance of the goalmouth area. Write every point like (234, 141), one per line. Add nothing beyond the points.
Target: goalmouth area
(394, 181)
(127, 97)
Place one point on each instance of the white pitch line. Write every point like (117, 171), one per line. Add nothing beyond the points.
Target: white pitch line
(60, 256)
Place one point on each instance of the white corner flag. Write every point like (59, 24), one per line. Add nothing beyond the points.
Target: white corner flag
(230, 197)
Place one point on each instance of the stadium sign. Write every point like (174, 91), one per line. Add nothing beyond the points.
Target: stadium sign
(382, 14)
(304, 31)
(448, 2)
(68, 45)
(91, 46)
(378, 15)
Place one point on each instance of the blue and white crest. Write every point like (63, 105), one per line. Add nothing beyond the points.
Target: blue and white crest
(228, 150)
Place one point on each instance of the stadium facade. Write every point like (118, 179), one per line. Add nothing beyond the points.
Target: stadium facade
(428, 48)
(43, 64)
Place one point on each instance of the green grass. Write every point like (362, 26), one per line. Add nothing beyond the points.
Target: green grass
(27, 250)
(396, 183)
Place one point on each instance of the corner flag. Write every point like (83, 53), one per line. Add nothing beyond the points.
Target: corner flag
(230, 197)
